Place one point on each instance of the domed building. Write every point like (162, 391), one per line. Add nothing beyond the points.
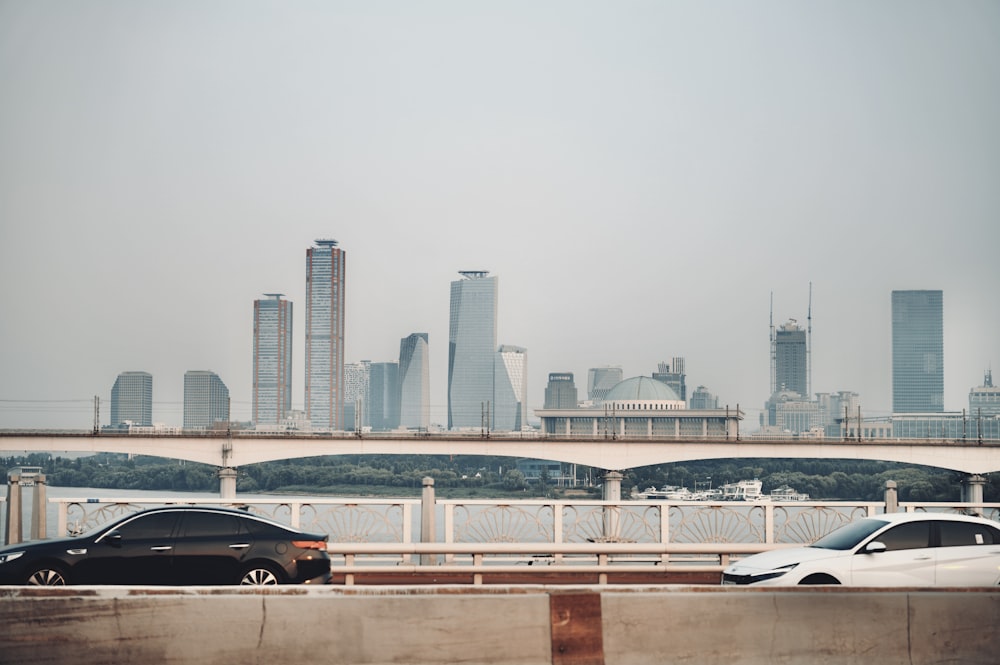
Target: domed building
(641, 407)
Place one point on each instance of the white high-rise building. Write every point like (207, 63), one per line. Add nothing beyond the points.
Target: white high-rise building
(414, 381)
(510, 391)
(324, 391)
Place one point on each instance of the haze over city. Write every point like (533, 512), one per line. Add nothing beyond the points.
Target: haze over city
(640, 176)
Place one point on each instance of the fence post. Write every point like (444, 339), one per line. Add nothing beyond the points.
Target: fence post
(427, 526)
(891, 502)
(972, 492)
(612, 492)
(39, 525)
(13, 535)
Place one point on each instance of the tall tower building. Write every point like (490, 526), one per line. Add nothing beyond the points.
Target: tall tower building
(600, 380)
(673, 375)
(206, 399)
(356, 395)
(324, 394)
(272, 358)
(383, 395)
(560, 393)
(917, 352)
(791, 359)
(472, 343)
(414, 381)
(510, 390)
(985, 400)
(132, 399)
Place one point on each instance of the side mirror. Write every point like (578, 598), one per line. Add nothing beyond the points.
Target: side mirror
(874, 547)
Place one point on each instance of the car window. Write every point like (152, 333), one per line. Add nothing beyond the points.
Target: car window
(849, 535)
(907, 536)
(198, 524)
(958, 534)
(154, 525)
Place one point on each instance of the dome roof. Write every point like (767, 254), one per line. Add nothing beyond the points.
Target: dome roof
(642, 388)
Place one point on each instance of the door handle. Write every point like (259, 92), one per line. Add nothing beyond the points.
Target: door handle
(239, 546)
(162, 548)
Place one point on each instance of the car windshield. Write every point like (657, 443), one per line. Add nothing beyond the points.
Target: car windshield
(849, 535)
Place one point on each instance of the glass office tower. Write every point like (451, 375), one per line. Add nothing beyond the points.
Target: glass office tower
(510, 390)
(917, 352)
(414, 381)
(560, 393)
(600, 380)
(272, 358)
(791, 359)
(324, 394)
(472, 342)
(383, 396)
(132, 399)
(206, 399)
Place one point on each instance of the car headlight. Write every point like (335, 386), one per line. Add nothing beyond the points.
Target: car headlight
(771, 574)
(10, 556)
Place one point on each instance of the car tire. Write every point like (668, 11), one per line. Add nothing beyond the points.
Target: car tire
(46, 576)
(819, 579)
(260, 574)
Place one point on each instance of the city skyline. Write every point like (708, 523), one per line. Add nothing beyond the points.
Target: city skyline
(640, 177)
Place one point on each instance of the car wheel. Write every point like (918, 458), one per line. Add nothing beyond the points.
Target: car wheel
(819, 579)
(46, 576)
(260, 575)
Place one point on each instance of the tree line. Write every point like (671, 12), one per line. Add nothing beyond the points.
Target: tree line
(495, 476)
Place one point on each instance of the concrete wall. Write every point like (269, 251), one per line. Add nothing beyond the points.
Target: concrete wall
(522, 626)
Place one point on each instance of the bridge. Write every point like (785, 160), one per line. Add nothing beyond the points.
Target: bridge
(240, 448)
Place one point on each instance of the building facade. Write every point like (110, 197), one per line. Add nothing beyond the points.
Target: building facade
(673, 374)
(917, 352)
(132, 399)
(206, 400)
(272, 359)
(640, 407)
(985, 399)
(510, 390)
(560, 392)
(356, 395)
(414, 382)
(472, 343)
(791, 359)
(702, 399)
(600, 380)
(383, 396)
(324, 381)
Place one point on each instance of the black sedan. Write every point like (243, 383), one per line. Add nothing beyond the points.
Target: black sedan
(174, 545)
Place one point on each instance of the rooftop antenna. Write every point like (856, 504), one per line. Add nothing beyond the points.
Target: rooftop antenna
(809, 344)
(773, 350)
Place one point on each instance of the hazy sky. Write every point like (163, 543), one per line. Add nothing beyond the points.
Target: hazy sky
(641, 176)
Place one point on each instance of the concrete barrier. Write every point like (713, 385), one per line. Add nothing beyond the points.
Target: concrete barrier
(499, 625)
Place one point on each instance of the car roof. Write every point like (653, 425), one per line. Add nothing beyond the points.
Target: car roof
(897, 518)
(215, 509)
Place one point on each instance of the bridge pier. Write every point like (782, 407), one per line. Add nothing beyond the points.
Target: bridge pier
(14, 534)
(972, 491)
(227, 482)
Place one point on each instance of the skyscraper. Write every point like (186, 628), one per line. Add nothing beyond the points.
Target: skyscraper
(791, 359)
(132, 399)
(560, 393)
(383, 396)
(472, 343)
(414, 381)
(510, 390)
(356, 395)
(673, 375)
(206, 399)
(917, 352)
(324, 394)
(272, 358)
(600, 380)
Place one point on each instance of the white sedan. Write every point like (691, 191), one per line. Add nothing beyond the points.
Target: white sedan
(897, 549)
